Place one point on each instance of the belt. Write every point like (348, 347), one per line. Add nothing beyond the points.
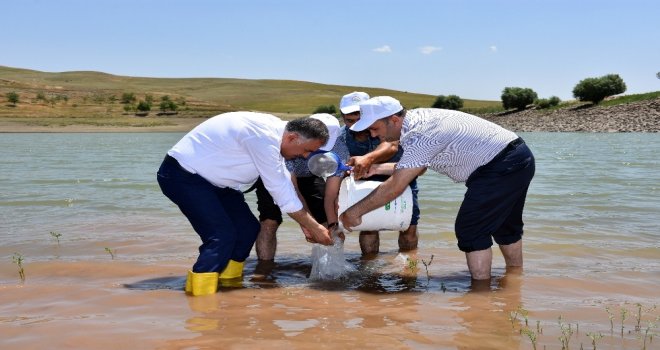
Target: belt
(510, 146)
(515, 143)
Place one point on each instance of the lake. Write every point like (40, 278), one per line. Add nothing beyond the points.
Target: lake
(105, 256)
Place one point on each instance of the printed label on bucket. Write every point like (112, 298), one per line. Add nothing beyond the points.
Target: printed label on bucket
(393, 216)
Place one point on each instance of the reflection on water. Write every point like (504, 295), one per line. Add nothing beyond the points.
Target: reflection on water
(591, 242)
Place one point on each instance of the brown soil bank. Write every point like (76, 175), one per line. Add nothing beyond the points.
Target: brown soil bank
(641, 116)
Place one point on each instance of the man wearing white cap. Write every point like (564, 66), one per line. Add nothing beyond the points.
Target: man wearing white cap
(318, 194)
(366, 150)
(203, 173)
(495, 164)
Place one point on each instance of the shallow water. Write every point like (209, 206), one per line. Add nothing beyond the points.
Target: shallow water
(591, 243)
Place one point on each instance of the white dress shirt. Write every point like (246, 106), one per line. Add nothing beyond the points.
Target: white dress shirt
(234, 149)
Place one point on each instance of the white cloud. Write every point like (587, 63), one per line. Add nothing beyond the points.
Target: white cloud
(427, 50)
(493, 48)
(383, 49)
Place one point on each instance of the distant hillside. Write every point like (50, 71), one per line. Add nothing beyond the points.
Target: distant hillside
(95, 94)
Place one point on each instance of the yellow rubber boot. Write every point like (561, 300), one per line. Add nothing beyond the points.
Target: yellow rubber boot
(234, 269)
(202, 283)
(189, 282)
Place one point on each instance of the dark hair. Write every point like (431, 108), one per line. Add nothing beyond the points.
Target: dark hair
(309, 128)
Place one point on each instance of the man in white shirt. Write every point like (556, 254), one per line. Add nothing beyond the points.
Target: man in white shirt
(204, 173)
(495, 164)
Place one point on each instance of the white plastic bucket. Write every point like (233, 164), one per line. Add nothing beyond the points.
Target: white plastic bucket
(393, 216)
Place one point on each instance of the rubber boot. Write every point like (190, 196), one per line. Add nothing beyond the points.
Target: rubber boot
(202, 283)
(232, 275)
(234, 269)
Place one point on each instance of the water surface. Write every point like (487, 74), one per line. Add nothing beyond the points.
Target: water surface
(591, 243)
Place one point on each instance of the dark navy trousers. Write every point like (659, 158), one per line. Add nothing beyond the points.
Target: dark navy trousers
(220, 216)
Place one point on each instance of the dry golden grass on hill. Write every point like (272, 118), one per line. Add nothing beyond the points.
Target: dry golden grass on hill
(93, 98)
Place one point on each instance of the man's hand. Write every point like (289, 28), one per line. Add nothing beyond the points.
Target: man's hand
(350, 220)
(318, 234)
(361, 165)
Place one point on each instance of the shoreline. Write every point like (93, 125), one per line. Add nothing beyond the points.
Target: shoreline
(641, 116)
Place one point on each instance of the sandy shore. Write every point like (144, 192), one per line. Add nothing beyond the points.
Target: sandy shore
(642, 116)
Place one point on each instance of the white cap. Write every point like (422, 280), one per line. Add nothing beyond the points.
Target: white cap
(351, 103)
(333, 126)
(376, 108)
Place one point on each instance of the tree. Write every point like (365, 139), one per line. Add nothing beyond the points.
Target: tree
(128, 97)
(544, 103)
(12, 97)
(143, 107)
(168, 105)
(448, 102)
(330, 109)
(517, 97)
(596, 89)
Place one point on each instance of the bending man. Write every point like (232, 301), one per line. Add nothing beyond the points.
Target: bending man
(495, 164)
(203, 174)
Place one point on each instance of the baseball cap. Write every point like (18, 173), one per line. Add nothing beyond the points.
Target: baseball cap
(376, 108)
(332, 124)
(350, 103)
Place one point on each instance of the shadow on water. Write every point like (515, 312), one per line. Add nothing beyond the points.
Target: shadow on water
(375, 276)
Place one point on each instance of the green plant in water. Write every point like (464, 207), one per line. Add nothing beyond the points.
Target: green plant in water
(56, 235)
(638, 315)
(533, 336)
(624, 315)
(594, 337)
(412, 264)
(610, 315)
(513, 317)
(566, 333)
(539, 329)
(426, 266)
(524, 313)
(18, 260)
(650, 326)
(111, 252)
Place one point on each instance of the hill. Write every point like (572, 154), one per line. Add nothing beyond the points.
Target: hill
(93, 98)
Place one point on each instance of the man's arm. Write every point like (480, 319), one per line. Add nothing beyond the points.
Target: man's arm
(332, 185)
(314, 232)
(385, 192)
(382, 153)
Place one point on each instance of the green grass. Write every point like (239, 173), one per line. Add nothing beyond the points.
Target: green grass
(631, 98)
(88, 94)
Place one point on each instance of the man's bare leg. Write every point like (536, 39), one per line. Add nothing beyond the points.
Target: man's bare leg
(513, 256)
(408, 239)
(479, 262)
(369, 243)
(266, 243)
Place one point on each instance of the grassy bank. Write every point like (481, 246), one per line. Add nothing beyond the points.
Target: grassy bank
(95, 98)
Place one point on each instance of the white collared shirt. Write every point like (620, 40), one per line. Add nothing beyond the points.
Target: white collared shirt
(450, 142)
(234, 149)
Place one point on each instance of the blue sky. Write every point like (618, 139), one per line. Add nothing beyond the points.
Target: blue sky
(469, 48)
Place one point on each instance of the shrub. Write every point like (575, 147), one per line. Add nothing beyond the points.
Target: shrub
(143, 106)
(168, 105)
(596, 89)
(518, 98)
(12, 98)
(127, 97)
(547, 103)
(448, 102)
(330, 109)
